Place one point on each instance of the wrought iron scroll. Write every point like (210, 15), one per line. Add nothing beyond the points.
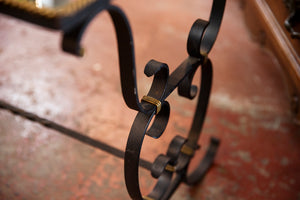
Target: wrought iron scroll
(170, 169)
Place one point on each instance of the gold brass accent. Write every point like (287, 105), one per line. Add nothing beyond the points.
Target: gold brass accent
(153, 101)
(170, 168)
(205, 57)
(187, 150)
(65, 10)
(147, 198)
(81, 52)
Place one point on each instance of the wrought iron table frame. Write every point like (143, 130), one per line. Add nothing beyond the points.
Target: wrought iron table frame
(169, 169)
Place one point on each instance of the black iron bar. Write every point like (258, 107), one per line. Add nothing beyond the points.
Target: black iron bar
(69, 132)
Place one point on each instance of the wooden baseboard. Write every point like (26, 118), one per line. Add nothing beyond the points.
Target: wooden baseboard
(268, 29)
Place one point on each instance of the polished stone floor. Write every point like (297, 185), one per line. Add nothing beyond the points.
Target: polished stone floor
(259, 156)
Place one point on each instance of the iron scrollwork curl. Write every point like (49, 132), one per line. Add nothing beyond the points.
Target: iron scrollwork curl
(180, 151)
(71, 44)
(171, 168)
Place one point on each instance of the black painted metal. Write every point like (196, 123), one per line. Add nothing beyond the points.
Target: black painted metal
(169, 169)
(200, 41)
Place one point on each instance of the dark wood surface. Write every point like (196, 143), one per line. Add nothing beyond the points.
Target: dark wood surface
(265, 19)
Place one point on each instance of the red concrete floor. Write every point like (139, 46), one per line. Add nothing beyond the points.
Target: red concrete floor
(259, 157)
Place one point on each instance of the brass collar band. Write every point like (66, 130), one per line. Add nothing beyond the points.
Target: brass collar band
(205, 57)
(170, 168)
(147, 198)
(153, 101)
(187, 150)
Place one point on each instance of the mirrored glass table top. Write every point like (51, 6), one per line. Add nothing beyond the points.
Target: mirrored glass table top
(55, 14)
(49, 3)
